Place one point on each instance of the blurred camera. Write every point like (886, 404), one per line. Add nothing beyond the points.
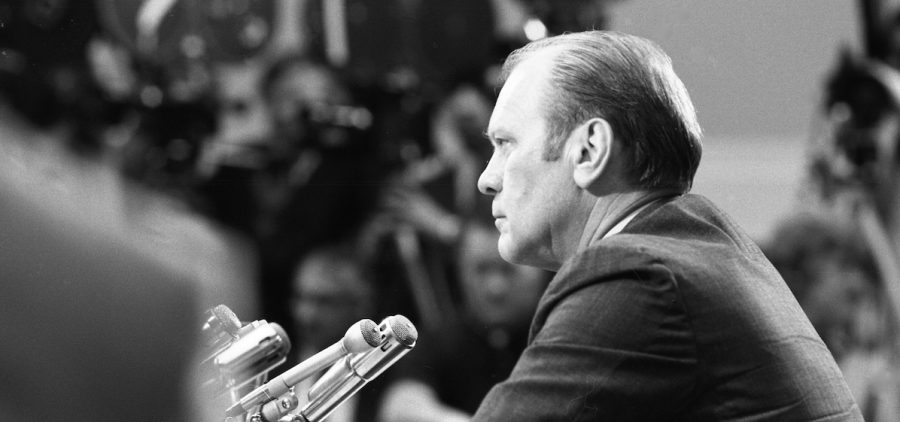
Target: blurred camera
(862, 125)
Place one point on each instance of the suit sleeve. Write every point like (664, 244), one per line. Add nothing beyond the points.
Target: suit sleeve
(614, 348)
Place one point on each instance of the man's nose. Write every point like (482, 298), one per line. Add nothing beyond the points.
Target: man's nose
(489, 182)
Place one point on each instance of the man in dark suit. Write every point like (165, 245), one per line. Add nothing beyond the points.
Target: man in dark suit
(662, 307)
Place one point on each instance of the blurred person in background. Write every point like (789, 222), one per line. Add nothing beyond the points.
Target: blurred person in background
(103, 280)
(309, 180)
(833, 277)
(317, 126)
(96, 325)
(831, 272)
(853, 182)
(450, 371)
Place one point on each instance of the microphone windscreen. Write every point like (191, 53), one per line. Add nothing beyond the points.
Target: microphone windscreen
(370, 332)
(229, 320)
(220, 328)
(361, 337)
(404, 330)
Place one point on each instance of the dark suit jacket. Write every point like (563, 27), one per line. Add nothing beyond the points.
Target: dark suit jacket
(679, 317)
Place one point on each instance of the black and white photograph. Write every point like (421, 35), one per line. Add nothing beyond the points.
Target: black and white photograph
(449, 211)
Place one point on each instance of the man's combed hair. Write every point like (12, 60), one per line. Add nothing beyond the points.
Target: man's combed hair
(629, 82)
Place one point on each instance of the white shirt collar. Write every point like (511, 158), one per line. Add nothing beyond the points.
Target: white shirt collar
(624, 222)
(627, 219)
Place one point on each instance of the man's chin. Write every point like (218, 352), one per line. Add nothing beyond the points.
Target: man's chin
(504, 248)
(509, 253)
(521, 256)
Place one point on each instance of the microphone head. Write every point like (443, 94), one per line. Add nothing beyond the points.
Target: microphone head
(362, 336)
(404, 330)
(369, 330)
(261, 347)
(349, 375)
(220, 327)
(230, 321)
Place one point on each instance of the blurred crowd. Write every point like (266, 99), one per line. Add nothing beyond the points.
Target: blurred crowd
(284, 124)
(838, 250)
(310, 162)
(335, 145)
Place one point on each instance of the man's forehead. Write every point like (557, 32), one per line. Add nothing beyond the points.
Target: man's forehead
(531, 74)
(522, 95)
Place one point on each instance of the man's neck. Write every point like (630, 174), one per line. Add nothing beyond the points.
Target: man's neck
(611, 209)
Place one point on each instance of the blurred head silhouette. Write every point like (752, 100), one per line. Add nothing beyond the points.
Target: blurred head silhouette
(494, 292)
(331, 291)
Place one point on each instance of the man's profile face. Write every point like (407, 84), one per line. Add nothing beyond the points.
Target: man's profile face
(533, 198)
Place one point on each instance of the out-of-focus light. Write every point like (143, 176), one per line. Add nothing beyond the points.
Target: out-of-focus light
(193, 46)
(254, 32)
(151, 96)
(535, 29)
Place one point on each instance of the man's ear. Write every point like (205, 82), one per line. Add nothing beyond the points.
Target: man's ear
(594, 144)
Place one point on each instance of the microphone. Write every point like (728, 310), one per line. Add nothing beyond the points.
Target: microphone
(360, 337)
(259, 346)
(350, 374)
(221, 327)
